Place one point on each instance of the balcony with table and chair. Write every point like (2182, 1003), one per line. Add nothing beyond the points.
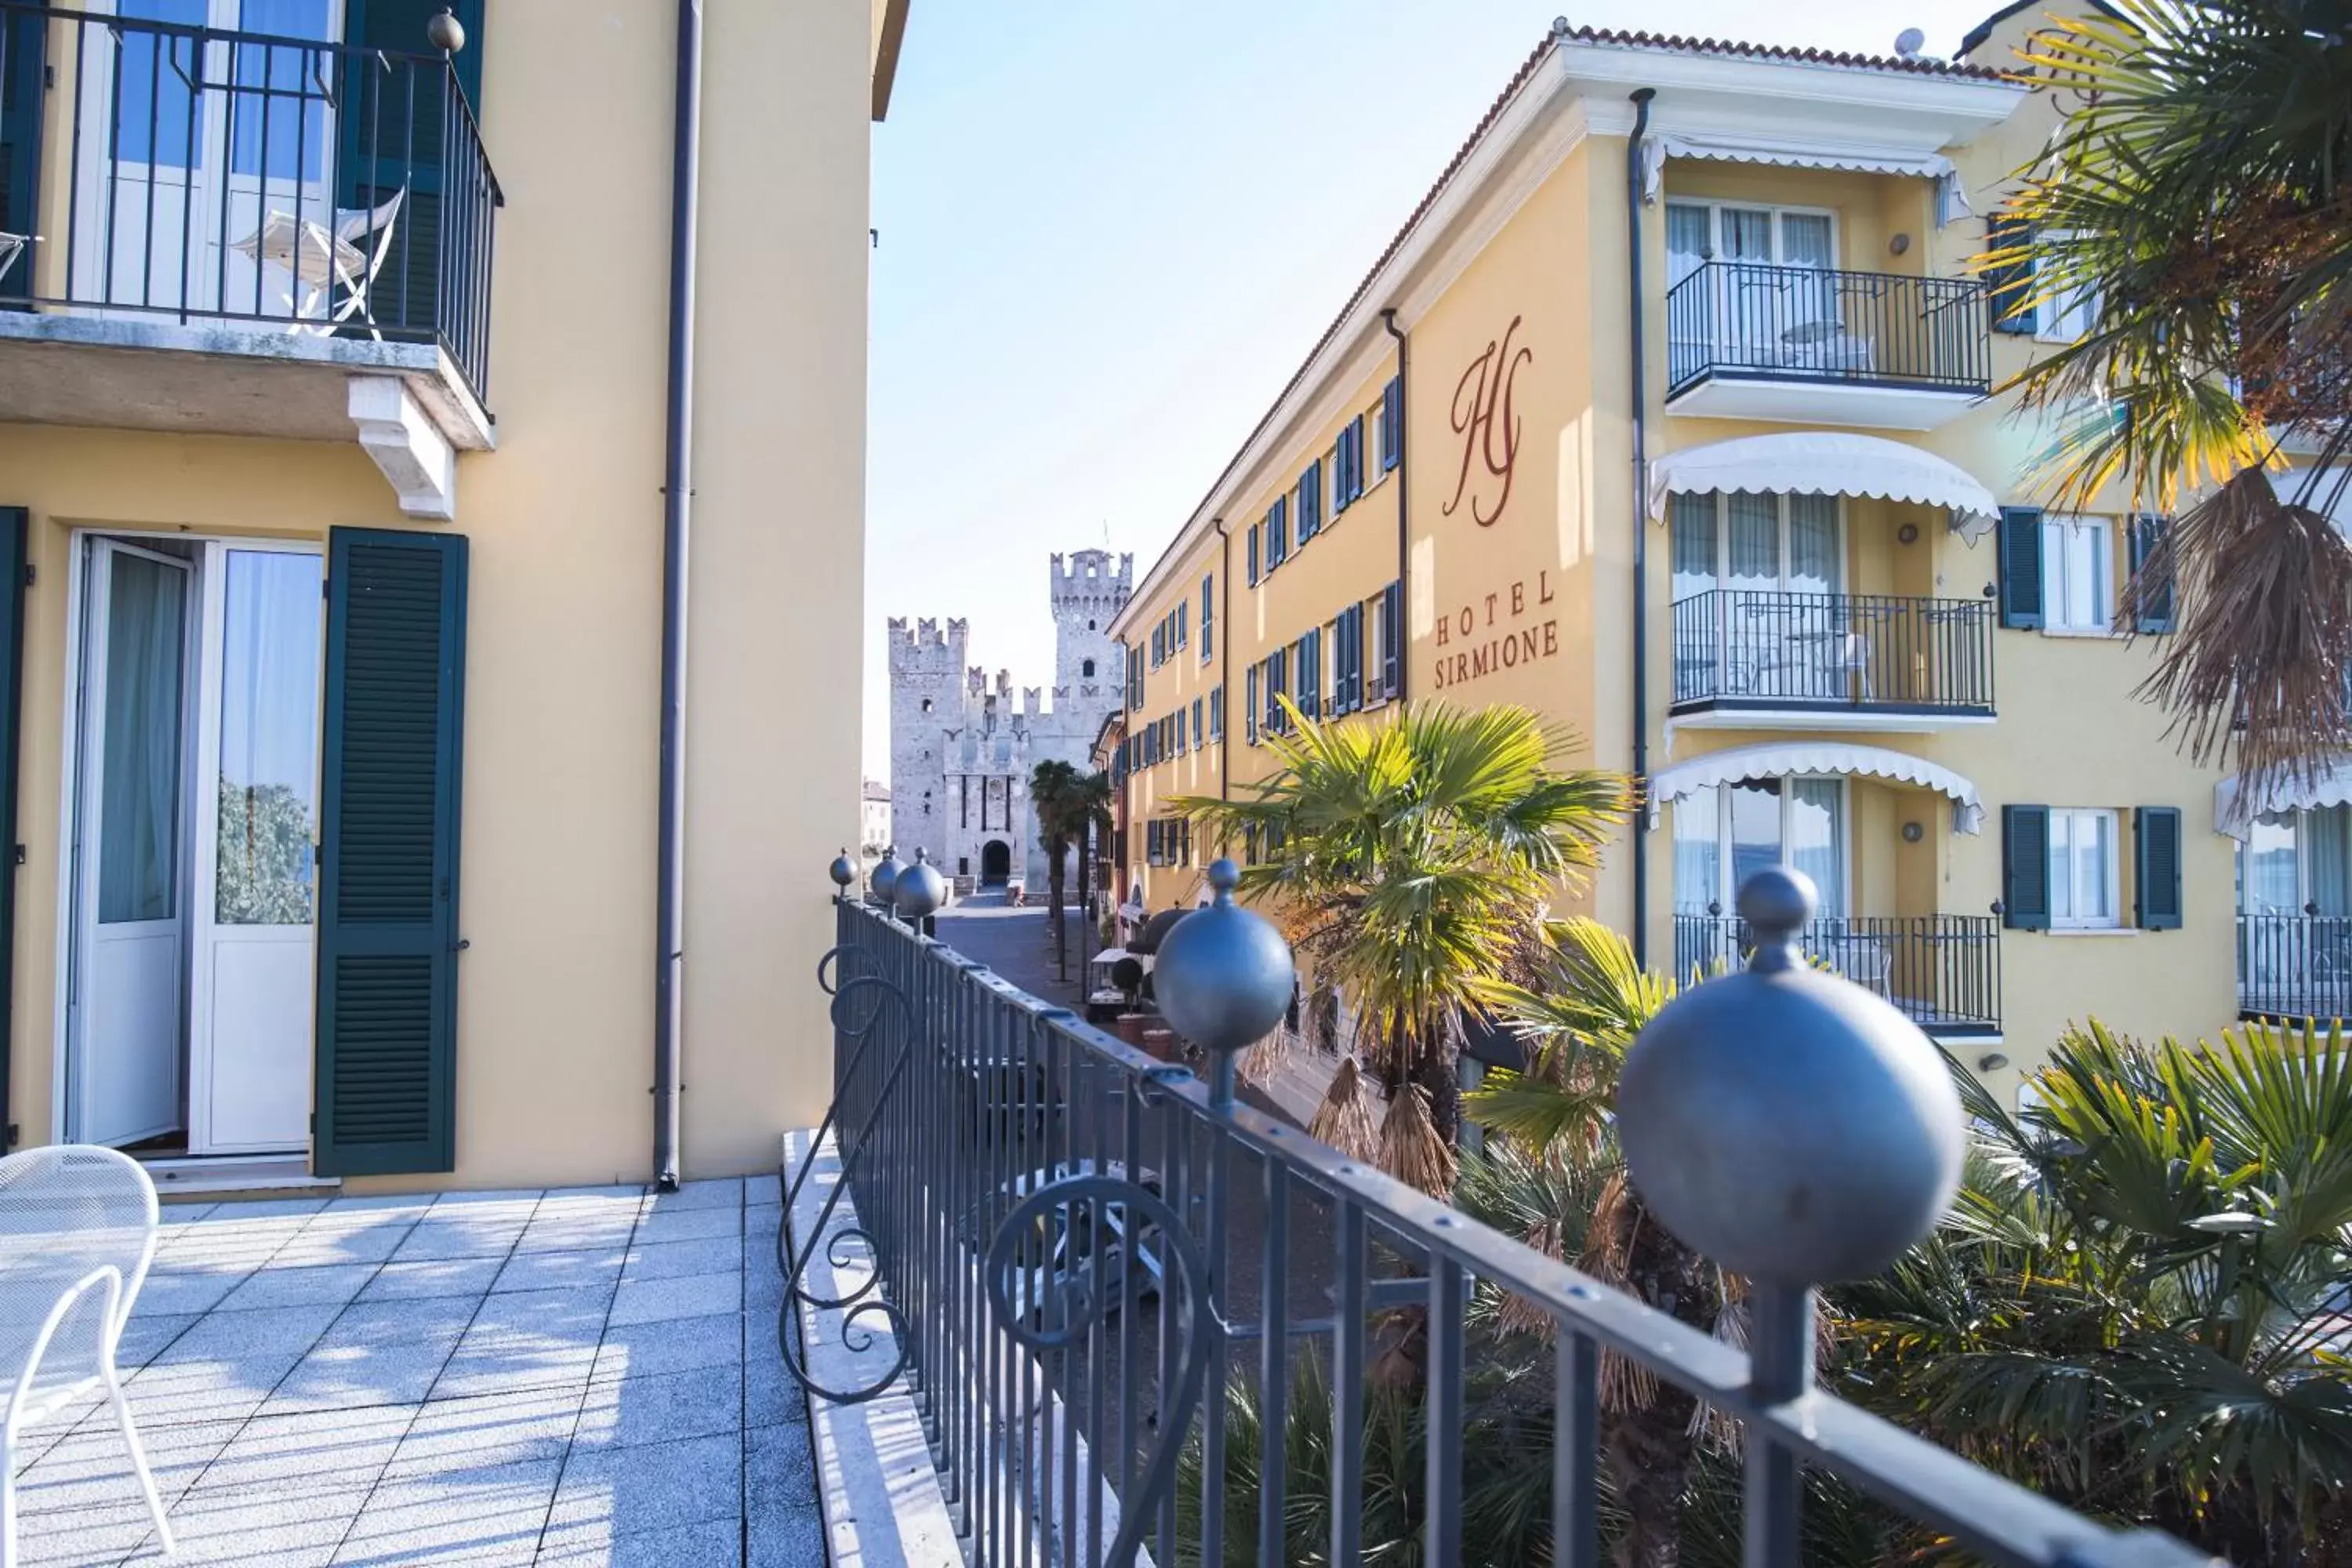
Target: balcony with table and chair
(234, 217)
(1767, 632)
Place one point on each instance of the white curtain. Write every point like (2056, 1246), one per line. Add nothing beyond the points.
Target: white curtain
(2331, 859)
(1754, 540)
(139, 832)
(1817, 838)
(1812, 544)
(1698, 874)
(1692, 519)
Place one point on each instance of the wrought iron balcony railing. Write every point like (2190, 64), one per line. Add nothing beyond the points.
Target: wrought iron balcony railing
(232, 178)
(1754, 321)
(1077, 1250)
(1740, 649)
(2295, 966)
(1942, 971)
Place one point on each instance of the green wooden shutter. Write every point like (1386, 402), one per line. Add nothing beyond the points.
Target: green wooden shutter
(2025, 866)
(22, 36)
(15, 530)
(2010, 286)
(2151, 600)
(389, 795)
(2156, 868)
(2021, 566)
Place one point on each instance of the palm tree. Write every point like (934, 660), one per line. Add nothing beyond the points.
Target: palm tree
(2138, 1301)
(1558, 1177)
(2199, 196)
(1089, 822)
(1409, 860)
(1052, 787)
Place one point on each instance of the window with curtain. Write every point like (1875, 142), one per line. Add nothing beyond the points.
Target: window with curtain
(1756, 543)
(1723, 834)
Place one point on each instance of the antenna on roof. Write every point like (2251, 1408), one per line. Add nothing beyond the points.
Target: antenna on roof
(1908, 43)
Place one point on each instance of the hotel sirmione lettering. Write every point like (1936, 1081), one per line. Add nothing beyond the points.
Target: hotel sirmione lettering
(1496, 631)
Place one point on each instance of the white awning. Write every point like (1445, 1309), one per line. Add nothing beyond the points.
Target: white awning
(1777, 759)
(2234, 811)
(1951, 200)
(1828, 463)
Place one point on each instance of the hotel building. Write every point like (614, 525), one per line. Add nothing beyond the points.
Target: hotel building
(1671, 414)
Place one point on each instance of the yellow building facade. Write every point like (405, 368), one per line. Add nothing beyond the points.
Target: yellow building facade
(365, 833)
(1703, 456)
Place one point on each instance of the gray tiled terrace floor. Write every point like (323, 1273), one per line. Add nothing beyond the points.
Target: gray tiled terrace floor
(571, 1377)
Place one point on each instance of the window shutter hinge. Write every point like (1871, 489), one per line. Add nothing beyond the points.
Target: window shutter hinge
(20, 854)
(32, 574)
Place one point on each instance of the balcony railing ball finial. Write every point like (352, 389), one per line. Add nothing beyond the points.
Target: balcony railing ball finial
(843, 870)
(1224, 978)
(920, 890)
(1789, 1124)
(884, 882)
(445, 32)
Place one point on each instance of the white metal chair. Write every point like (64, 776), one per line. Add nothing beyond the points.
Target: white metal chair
(318, 261)
(77, 1233)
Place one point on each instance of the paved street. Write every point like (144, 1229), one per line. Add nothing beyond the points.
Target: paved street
(567, 1377)
(1017, 943)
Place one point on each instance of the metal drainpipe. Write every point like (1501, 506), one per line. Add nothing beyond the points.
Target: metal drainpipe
(1404, 531)
(677, 494)
(1225, 659)
(1639, 356)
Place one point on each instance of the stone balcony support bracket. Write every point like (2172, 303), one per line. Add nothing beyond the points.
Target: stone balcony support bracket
(406, 445)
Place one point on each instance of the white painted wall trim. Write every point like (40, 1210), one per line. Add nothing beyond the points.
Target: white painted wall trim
(406, 445)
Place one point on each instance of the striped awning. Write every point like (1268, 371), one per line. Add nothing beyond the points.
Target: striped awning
(1779, 759)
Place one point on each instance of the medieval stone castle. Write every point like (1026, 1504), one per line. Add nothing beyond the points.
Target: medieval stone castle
(962, 750)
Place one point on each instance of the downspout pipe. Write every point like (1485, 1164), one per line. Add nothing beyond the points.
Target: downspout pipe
(1225, 659)
(1636, 308)
(677, 498)
(1404, 494)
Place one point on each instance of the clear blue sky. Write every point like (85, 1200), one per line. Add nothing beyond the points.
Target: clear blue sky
(1111, 229)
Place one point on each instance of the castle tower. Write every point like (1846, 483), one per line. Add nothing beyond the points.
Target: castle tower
(1086, 591)
(927, 701)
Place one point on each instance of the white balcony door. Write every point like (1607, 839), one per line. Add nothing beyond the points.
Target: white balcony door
(1723, 833)
(255, 881)
(126, 994)
(196, 786)
(1777, 631)
(190, 142)
(1768, 315)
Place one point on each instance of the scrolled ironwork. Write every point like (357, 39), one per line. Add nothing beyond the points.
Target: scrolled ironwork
(1003, 1268)
(856, 1303)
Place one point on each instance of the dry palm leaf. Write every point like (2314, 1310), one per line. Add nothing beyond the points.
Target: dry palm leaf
(1263, 1060)
(1344, 1120)
(1608, 1252)
(1411, 1150)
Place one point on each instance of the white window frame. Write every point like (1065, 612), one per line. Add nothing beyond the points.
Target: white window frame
(2064, 321)
(1725, 894)
(2057, 528)
(1714, 206)
(2072, 818)
(1780, 586)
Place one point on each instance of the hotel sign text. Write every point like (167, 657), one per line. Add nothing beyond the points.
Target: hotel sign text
(1500, 630)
